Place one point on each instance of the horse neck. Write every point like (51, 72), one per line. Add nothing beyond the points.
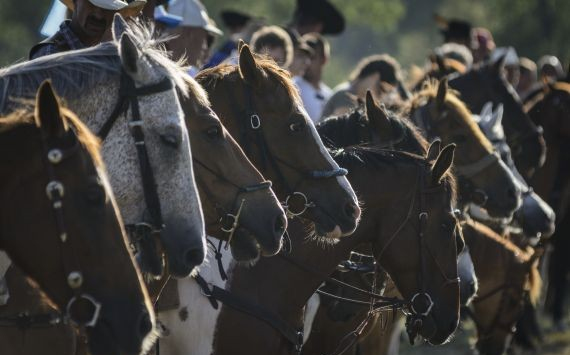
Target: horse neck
(484, 249)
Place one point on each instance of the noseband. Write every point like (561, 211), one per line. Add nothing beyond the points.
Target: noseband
(129, 98)
(252, 131)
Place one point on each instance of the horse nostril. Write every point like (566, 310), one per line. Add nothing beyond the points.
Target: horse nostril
(351, 210)
(194, 257)
(280, 225)
(145, 325)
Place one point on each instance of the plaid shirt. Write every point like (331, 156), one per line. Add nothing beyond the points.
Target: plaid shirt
(67, 40)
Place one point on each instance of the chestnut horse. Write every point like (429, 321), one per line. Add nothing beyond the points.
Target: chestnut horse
(261, 107)
(60, 223)
(266, 317)
(483, 178)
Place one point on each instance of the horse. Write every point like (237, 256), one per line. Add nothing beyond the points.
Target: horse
(550, 109)
(535, 218)
(483, 178)
(116, 87)
(508, 279)
(259, 104)
(266, 316)
(279, 138)
(486, 83)
(231, 189)
(55, 185)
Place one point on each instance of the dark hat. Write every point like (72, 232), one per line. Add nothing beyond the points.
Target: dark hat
(454, 28)
(232, 18)
(322, 11)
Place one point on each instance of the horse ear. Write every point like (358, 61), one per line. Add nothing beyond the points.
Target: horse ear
(248, 69)
(119, 27)
(500, 63)
(434, 150)
(240, 45)
(378, 118)
(441, 94)
(442, 164)
(129, 54)
(47, 114)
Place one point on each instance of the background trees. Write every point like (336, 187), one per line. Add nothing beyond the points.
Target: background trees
(403, 28)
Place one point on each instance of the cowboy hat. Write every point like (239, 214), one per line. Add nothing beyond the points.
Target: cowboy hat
(192, 14)
(126, 7)
(321, 10)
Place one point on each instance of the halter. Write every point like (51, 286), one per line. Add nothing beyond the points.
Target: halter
(230, 220)
(252, 131)
(128, 98)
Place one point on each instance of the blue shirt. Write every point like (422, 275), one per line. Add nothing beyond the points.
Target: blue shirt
(63, 40)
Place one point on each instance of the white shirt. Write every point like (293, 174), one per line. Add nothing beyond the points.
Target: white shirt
(314, 100)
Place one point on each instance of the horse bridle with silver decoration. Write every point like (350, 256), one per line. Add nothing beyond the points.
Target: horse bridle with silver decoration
(55, 191)
(252, 130)
(128, 98)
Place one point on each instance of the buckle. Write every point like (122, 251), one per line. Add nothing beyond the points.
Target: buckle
(55, 190)
(96, 310)
(255, 121)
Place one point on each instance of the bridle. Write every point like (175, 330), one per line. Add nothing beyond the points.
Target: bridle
(129, 94)
(465, 172)
(55, 191)
(229, 220)
(252, 132)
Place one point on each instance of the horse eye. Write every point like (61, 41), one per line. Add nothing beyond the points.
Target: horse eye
(214, 132)
(170, 140)
(297, 126)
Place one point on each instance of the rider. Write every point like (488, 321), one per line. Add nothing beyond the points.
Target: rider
(275, 43)
(90, 24)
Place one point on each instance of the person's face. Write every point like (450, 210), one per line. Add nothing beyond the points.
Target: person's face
(277, 53)
(315, 69)
(526, 80)
(512, 73)
(191, 42)
(93, 21)
(301, 61)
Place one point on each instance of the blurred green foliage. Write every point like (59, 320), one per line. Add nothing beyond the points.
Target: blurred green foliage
(402, 28)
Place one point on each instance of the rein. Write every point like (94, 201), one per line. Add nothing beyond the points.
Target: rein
(252, 132)
(128, 98)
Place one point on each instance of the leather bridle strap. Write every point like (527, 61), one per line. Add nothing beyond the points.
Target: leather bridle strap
(128, 97)
(216, 294)
(470, 170)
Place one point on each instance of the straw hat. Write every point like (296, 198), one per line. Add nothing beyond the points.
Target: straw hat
(126, 8)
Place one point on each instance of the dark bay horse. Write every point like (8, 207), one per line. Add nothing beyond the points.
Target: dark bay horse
(487, 83)
(60, 223)
(260, 106)
(483, 178)
(390, 223)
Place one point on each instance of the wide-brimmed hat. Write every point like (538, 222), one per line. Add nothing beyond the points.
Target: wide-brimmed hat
(233, 18)
(193, 14)
(113, 5)
(322, 10)
(454, 29)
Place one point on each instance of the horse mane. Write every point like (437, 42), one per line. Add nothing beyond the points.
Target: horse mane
(378, 158)
(429, 93)
(22, 117)
(345, 129)
(84, 68)
(210, 77)
(499, 245)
